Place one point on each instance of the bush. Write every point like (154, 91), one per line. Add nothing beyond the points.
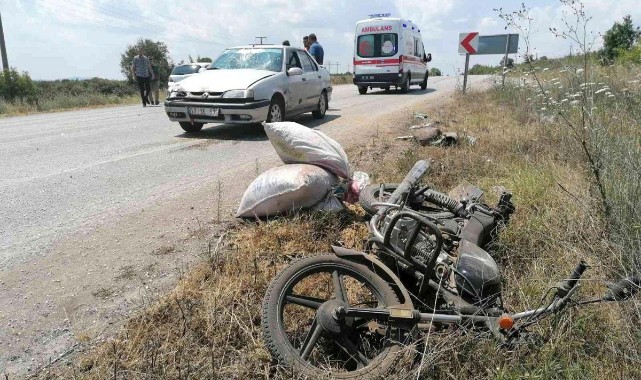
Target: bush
(16, 86)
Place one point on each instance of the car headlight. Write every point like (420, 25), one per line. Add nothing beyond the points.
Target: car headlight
(237, 94)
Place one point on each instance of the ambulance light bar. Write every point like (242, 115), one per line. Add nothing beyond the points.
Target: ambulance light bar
(379, 15)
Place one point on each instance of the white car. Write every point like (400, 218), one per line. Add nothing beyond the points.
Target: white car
(181, 72)
(251, 84)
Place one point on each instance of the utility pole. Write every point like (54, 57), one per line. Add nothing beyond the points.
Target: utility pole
(261, 39)
(3, 48)
(329, 67)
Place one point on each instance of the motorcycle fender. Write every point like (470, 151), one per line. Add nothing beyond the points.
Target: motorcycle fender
(380, 269)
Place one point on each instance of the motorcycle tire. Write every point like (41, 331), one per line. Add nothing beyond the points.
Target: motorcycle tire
(370, 195)
(319, 351)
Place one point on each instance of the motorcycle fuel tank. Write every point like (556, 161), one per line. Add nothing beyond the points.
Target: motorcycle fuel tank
(478, 277)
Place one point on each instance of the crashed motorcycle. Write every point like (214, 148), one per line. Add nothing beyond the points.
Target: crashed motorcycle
(349, 314)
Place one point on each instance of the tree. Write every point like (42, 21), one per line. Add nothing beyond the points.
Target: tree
(621, 37)
(434, 72)
(200, 59)
(16, 86)
(510, 63)
(156, 50)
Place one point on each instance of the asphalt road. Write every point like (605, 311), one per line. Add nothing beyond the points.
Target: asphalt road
(93, 199)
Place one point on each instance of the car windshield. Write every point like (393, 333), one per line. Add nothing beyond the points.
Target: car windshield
(185, 69)
(250, 58)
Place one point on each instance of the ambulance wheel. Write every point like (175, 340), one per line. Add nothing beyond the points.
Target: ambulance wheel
(405, 87)
(362, 90)
(189, 127)
(424, 82)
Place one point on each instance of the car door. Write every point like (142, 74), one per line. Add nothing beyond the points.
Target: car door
(295, 92)
(312, 79)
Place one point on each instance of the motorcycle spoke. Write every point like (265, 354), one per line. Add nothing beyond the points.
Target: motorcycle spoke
(310, 340)
(339, 287)
(306, 301)
(352, 350)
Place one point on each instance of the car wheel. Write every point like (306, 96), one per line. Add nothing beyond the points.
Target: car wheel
(405, 87)
(322, 106)
(386, 88)
(424, 82)
(362, 90)
(276, 111)
(191, 128)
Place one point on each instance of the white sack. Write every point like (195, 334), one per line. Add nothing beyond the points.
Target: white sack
(297, 144)
(286, 188)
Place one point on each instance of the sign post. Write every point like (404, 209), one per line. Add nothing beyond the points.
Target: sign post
(468, 44)
(473, 44)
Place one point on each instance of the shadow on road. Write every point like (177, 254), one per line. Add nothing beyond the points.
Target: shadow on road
(249, 132)
(411, 92)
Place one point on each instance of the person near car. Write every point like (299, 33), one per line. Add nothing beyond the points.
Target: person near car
(155, 83)
(142, 71)
(306, 43)
(286, 43)
(315, 49)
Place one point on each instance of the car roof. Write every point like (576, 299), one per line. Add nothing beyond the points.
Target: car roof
(258, 46)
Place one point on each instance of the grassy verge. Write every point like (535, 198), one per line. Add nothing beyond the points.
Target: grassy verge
(209, 326)
(60, 95)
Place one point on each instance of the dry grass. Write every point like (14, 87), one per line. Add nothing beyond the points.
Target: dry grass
(209, 326)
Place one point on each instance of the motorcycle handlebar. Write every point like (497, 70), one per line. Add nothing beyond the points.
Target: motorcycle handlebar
(567, 285)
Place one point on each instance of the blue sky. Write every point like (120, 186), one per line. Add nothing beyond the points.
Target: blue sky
(53, 39)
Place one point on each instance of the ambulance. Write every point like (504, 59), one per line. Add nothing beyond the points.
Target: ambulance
(389, 52)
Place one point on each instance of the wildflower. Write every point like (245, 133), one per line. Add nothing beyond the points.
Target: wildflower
(601, 90)
(575, 102)
(543, 109)
(579, 71)
(546, 69)
(564, 100)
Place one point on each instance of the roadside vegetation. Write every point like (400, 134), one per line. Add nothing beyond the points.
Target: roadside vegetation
(564, 136)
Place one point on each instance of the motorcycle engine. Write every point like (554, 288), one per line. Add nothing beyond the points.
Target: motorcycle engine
(422, 248)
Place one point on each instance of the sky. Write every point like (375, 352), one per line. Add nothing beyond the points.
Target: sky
(56, 39)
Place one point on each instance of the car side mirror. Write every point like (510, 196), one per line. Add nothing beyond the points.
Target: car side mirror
(427, 58)
(295, 71)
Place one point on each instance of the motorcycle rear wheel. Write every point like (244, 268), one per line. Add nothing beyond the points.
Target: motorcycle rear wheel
(301, 331)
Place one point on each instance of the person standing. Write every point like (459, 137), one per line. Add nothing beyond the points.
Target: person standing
(141, 70)
(155, 83)
(286, 43)
(315, 49)
(306, 43)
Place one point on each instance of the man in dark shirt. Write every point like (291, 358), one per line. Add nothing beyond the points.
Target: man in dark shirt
(315, 49)
(141, 70)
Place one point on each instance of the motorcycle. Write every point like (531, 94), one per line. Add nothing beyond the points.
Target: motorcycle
(348, 314)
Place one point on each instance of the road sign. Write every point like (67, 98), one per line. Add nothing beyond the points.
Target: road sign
(468, 43)
(497, 44)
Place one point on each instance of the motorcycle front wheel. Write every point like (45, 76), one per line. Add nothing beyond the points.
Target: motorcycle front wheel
(302, 331)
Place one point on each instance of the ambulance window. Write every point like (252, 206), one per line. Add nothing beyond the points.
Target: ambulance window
(377, 45)
(308, 65)
(417, 45)
(366, 45)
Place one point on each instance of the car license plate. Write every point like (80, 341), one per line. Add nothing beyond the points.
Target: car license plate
(204, 111)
